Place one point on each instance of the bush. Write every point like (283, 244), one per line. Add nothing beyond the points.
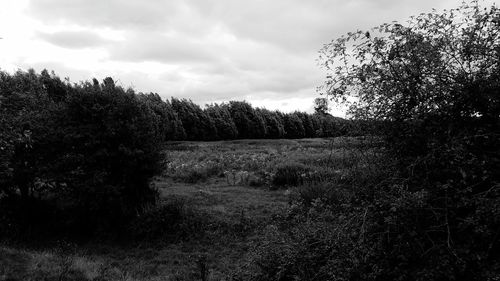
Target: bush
(197, 173)
(435, 216)
(329, 194)
(87, 154)
(319, 245)
(168, 221)
(289, 174)
(442, 128)
(195, 176)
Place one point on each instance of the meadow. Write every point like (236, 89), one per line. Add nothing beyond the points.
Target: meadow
(217, 201)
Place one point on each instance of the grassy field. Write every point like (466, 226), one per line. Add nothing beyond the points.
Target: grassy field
(216, 198)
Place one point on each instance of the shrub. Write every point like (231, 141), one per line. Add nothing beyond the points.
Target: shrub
(435, 216)
(289, 174)
(329, 194)
(319, 245)
(197, 173)
(87, 154)
(168, 221)
(194, 176)
(256, 181)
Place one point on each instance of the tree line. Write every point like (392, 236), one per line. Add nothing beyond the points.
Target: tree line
(183, 119)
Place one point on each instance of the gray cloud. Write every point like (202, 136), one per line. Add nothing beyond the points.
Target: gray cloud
(296, 25)
(152, 46)
(111, 13)
(213, 50)
(299, 25)
(73, 39)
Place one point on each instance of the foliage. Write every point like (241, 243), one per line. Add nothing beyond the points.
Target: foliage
(433, 85)
(289, 174)
(275, 128)
(169, 121)
(226, 128)
(196, 122)
(443, 64)
(110, 150)
(79, 156)
(320, 245)
(321, 105)
(262, 162)
(428, 208)
(307, 123)
(294, 128)
(248, 122)
(169, 220)
(216, 220)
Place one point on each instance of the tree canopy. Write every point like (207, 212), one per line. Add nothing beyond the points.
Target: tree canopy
(443, 63)
(434, 83)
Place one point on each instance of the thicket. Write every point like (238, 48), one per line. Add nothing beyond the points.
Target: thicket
(430, 208)
(76, 159)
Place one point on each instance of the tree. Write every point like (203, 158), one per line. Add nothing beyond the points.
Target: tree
(307, 122)
(317, 125)
(26, 114)
(294, 129)
(78, 157)
(440, 63)
(321, 106)
(104, 154)
(226, 129)
(435, 84)
(274, 127)
(170, 124)
(197, 124)
(249, 124)
(440, 69)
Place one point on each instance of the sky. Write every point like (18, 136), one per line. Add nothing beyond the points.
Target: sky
(264, 52)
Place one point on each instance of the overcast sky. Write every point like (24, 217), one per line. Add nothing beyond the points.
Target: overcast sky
(264, 52)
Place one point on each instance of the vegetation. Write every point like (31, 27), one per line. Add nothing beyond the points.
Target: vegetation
(79, 157)
(82, 155)
(216, 223)
(416, 197)
(239, 120)
(430, 210)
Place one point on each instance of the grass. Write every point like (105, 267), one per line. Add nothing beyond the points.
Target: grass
(223, 195)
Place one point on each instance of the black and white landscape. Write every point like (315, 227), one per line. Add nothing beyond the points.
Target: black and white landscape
(249, 140)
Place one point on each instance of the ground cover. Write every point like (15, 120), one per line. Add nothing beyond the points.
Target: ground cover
(216, 201)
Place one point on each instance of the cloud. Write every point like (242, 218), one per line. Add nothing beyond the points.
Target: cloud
(155, 46)
(111, 13)
(293, 25)
(303, 26)
(206, 50)
(73, 39)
